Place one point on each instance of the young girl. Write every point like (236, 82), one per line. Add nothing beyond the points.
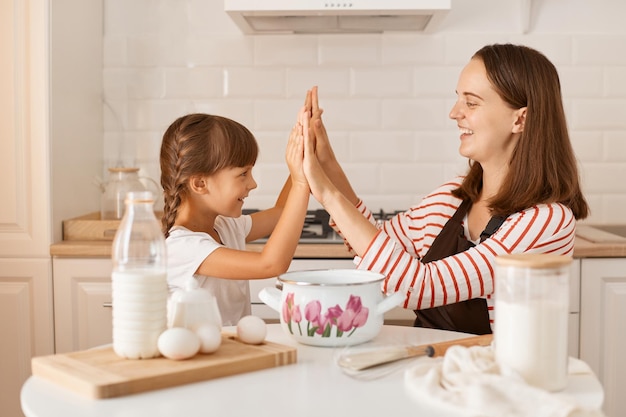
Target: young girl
(206, 173)
(521, 193)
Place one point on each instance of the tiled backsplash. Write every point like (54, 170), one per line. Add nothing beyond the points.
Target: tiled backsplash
(386, 96)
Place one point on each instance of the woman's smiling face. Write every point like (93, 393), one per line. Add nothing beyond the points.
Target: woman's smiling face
(489, 127)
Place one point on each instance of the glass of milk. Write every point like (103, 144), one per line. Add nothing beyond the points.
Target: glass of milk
(531, 318)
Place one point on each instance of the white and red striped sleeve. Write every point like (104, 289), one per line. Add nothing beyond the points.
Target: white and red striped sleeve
(398, 247)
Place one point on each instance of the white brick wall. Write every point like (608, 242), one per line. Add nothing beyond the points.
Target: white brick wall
(386, 97)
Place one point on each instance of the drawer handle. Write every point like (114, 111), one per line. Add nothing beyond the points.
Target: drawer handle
(107, 304)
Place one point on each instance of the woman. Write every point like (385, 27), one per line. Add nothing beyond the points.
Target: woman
(521, 193)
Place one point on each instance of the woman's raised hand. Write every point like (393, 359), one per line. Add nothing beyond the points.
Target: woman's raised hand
(318, 181)
(323, 149)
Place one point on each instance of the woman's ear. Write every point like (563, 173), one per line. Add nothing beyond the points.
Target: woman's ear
(198, 184)
(520, 120)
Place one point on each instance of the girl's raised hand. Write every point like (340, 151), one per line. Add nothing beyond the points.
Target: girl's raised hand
(294, 154)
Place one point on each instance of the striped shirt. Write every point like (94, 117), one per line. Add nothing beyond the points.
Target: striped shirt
(403, 240)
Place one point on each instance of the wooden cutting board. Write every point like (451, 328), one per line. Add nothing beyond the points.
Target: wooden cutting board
(100, 373)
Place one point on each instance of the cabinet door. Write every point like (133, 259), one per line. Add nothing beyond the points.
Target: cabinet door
(26, 326)
(603, 327)
(82, 297)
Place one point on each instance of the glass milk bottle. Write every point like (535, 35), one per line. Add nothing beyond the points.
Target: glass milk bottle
(531, 318)
(139, 280)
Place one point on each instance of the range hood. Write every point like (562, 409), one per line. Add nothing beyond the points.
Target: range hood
(335, 16)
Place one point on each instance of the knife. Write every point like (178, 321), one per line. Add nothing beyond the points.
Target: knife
(358, 361)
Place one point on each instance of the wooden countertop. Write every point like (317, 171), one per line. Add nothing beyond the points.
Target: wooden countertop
(102, 249)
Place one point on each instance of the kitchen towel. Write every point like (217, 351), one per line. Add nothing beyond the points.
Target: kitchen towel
(467, 382)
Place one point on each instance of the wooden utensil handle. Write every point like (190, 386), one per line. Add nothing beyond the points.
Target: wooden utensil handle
(439, 349)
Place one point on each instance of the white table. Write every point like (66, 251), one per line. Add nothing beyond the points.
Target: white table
(315, 386)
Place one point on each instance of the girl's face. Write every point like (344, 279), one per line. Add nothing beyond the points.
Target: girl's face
(489, 127)
(228, 188)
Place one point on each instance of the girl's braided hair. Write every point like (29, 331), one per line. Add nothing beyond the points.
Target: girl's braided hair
(200, 144)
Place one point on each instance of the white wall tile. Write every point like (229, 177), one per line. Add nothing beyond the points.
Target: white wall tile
(615, 146)
(114, 51)
(220, 51)
(600, 50)
(613, 209)
(615, 81)
(581, 81)
(382, 147)
(255, 82)
(198, 82)
(278, 114)
(285, 50)
(588, 146)
(439, 147)
(349, 114)
(410, 178)
(331, 82)
(605, 177)
(414, 114)
(599, 114)
(350, 50)
(403, 49)
(382, 82)
(557, 47)
(436, 81)
(386, 97)
(240, 110)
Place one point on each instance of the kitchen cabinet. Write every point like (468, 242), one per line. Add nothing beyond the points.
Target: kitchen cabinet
(603, 327)
(82, 294)
(26, 328)
(25, 224)
(82, 297)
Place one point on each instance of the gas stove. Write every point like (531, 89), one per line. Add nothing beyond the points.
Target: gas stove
(317, 230)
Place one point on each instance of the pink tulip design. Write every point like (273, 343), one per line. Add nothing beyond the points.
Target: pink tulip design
(353, 317)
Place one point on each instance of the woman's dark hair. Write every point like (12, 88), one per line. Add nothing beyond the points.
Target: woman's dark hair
(200, 144)
(543, 168)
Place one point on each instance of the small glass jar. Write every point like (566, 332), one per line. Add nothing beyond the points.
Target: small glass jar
(531, 318)
(121, 182)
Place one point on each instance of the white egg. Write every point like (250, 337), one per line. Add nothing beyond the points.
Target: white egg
(178, 343)
(251, 330)
(210, 337)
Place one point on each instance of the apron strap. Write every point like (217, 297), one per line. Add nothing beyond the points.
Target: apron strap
(469, 316)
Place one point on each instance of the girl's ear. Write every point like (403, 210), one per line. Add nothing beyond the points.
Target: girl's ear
(520, 120)
(197, 184)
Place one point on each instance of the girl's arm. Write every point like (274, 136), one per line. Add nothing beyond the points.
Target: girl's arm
(264, 221)
(278, 252)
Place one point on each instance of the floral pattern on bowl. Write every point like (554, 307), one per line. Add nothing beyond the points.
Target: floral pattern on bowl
(346, 320)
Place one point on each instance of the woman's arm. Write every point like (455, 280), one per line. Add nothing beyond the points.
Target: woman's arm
(470, 274)
(324, 150)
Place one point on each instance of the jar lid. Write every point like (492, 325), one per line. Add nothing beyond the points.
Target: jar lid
(534, 260)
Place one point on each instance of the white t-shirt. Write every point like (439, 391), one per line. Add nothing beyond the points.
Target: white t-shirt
(185, 252)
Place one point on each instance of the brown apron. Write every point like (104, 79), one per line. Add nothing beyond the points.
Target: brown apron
(470, 316)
